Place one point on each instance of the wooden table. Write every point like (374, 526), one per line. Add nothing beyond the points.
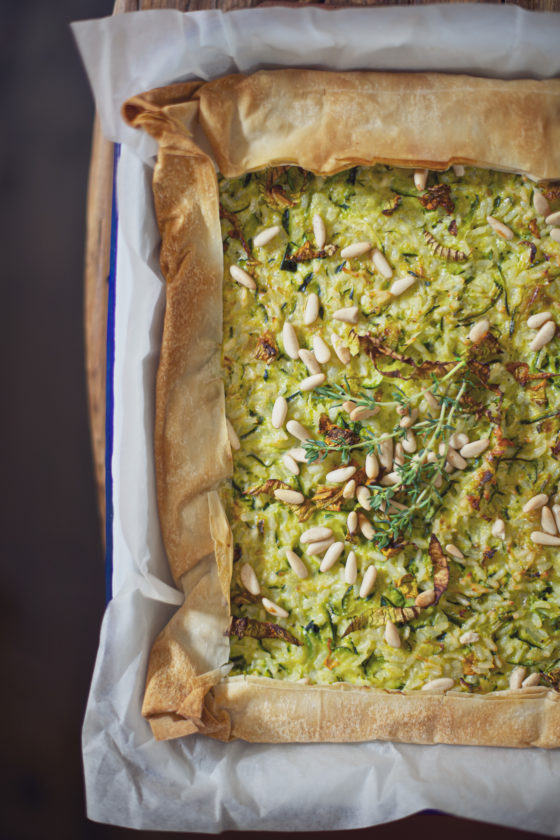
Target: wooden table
(99, 221)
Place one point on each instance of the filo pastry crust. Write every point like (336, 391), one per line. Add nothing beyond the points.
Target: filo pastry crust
(324, 122)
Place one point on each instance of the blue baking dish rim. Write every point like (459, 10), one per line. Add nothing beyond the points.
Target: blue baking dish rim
(109, 383)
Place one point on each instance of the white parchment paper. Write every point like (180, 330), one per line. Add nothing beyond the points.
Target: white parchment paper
(196, 784)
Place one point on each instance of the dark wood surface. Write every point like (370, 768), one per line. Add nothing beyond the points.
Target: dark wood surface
(52, 591)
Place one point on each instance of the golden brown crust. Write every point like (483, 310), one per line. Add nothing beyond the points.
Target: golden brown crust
(324, 122)
(191, 447)
(272, 711)
(327, 122)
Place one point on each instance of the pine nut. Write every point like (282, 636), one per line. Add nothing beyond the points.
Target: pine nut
(352, 522)
(433, 403)
(368, 581)
(555, 234)
(365, 527)
(517, 676)
(380, 262)
(425, 598)
(234, 441)
(544, 335)
(349, 315)
(469, 638)
(548, 523)
(556, 513)
(479, 331)
(408, 443)
(409, 419)
(349, 489)
(553, 218)
(290, 497)
(455, 459)
(540, 538)
(535, 502)
(531, 680)
(321, 350)
(386, 453)
(351, 568)
(319, 230)
(290, 464)
(400, 286)
(454, 551)
(274, 609)
(320, 546)
(356, 249)
(398, 458)
(540, 203)
(458, 440)
(242, 277)
(499, 529)
(249, 579)
(362, 495)
(391, 479)
(331, 556)
(440, 684)
(311, 309)
(340, 475)
(310, 361)
(318, 532)
(348, 406)
(536, 321)
(502, 230)
(312, 382)
(266, 236)
(342, 352)
(421, 178)
(298, 455)
(295, 428)
(279, 412)
(363, 413)
(475, 448)
(297, 564)
(458, 169)
(372, 465)
(392, 635)
(291, 344)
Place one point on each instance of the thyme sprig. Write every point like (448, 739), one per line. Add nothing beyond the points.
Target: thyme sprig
(340, 395)
(369, 443)
(422, 483)
(317, 450)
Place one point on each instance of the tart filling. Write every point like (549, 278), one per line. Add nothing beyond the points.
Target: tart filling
(391, 368)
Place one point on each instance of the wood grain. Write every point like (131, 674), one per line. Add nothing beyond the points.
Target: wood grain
(98, 241)
(98, 232)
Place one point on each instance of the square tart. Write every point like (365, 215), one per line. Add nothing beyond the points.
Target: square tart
(261, 183)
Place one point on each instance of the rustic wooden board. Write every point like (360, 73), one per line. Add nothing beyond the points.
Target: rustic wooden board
(98, 232)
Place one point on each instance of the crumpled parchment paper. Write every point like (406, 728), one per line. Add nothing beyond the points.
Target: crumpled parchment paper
(196, 784)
